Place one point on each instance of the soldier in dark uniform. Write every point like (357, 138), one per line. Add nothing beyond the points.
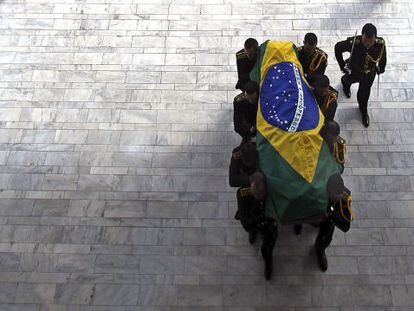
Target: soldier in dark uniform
(245, 111)
(330, 133)
(338, 214)
(242, 164)
(313, 59)
(337, 146)
(245, 60)
(326, 96)
(250, 202)
(368, 59)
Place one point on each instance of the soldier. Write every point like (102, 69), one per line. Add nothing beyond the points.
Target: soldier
(245, 60)
(245, 111)
(367, 59)
(326, 96)
(313, 59)
(330, 133)
(242, 165)
(339, 214)
(250, 202)
(336, 144)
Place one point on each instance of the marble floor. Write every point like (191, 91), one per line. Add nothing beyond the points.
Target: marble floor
(115, 138)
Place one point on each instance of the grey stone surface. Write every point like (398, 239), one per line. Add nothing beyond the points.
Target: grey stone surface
(115, 139)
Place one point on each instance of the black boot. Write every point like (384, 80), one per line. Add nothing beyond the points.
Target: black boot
(365, 119)
(268, 268)
(298, 229)
(322, 260)
(252, 236)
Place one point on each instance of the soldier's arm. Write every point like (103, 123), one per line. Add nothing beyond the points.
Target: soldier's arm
(243, 73)
(322, 67)
(330, 112)
(239, 64)
(236, 177)
(242, 205)
(240, 125)
(340, 48)
(383, 61)
(301, 58)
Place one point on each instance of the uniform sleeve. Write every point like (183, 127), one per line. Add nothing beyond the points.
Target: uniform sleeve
(340, 48)
(322, 67)
(330, 112)
(239, 64)
(242, 74)
(301, 58)
(240, 125)
(383, 61)
(236, 177)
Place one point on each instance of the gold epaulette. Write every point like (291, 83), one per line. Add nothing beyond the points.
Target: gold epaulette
(245, 192)
(240, 97)
(236, 155)
(341, 140)
(380, 40)
(241, 55)
(357, 40)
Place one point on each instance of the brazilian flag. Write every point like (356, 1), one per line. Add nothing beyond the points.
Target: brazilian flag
(292, 154)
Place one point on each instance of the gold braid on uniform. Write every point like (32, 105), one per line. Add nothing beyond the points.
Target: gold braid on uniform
(339, 156)
(313, 65)
(245, 192)
(236, 155)
(240, 97)
(369, 58)
(241, 55)
(348, 206)
(329, 100)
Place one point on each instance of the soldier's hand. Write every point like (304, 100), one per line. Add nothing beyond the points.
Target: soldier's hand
(379, 71)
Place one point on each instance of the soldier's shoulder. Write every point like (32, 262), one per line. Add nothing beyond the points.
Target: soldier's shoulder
(333, 92)
(245, 192)
(241, 54)
(341, 140)
(240, 98)
(357, 39)
(236, 153)
(321, 52)
(380, 40)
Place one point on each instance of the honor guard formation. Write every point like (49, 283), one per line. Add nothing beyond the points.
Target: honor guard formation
(367, 59)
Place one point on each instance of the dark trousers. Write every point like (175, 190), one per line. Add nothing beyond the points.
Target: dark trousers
(269, 237)
(324, 238)
(364, 90)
